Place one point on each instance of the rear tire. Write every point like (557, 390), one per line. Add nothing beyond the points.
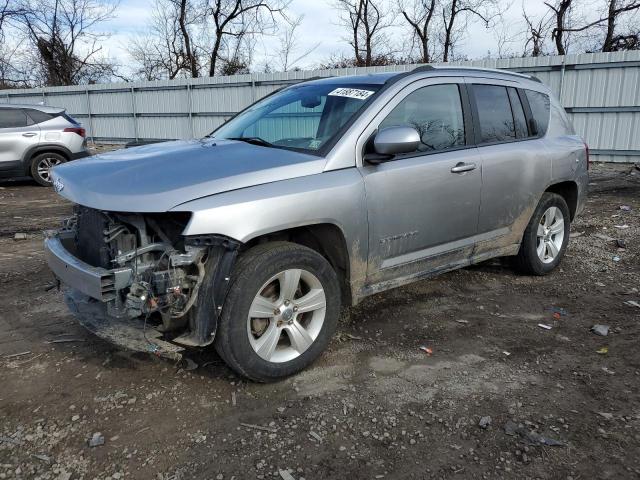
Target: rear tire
(280, 313)
(41, 166)
(546, 237)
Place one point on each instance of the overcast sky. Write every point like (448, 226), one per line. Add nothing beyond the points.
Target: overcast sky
(320, 24)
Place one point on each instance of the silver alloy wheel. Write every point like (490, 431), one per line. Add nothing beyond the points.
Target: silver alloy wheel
(286, 315)
(550, 235)
(44, 167)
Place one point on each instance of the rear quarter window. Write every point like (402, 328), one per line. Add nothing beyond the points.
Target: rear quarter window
(37, 116)
(540, 108)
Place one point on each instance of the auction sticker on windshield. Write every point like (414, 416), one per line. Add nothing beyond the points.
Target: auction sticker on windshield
(351, 93)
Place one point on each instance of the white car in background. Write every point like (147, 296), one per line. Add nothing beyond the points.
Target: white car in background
(35, 138)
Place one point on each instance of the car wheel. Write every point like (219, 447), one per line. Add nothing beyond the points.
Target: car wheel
(280, 313)
(546, 237)
(41, 166)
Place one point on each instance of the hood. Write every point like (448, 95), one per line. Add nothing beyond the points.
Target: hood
(158, 177)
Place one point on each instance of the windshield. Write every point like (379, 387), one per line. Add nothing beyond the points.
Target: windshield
(305, 117)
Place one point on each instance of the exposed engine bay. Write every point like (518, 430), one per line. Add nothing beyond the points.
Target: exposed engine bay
(149, 271)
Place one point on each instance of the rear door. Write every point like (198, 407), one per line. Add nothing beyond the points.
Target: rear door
(17, 134)
(516, 165)
(423, 206)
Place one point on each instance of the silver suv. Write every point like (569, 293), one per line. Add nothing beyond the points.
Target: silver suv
(316, 196)
(35, 138)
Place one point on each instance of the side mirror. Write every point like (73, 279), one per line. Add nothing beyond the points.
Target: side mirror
(395, 140)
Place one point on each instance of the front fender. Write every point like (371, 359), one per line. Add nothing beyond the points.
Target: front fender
(335, 197)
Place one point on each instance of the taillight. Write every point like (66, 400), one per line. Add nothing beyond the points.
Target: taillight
(79, 130)
(586, 150)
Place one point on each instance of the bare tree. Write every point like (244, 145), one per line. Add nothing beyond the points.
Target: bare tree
(167, 50)
(65, 41)
(561, 10)
(288, 54)
(10, 76)
(614, 10)
(456, 11)
(419, 14)
(239, 19)
(537, 31)
(366, 21)
(612, 40)
(184, 21)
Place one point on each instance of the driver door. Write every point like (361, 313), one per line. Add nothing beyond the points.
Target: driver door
(423, 207)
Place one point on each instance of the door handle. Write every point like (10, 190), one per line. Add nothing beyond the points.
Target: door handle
(463, 167)
(29, 134)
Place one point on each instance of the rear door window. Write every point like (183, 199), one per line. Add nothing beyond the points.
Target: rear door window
(540, 107)
(12, 118)
(435, 112)
(494, 112)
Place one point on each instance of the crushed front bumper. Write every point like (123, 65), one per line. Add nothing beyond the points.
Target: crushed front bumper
(96, 282)
(87, 290)
(130, 334)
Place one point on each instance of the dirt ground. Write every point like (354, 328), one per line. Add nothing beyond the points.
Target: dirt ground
(375, 405)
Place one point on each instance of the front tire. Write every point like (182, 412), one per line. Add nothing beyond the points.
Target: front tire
(546, 237)
(41, 166)
(280, 313)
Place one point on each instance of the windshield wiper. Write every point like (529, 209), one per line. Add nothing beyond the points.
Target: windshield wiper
(253, 141)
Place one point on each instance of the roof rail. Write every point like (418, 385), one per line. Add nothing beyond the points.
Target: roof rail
(431, 68)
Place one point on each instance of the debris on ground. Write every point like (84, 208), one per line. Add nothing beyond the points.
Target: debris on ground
(96, 440)
(604, 237)
(285, 475)
(464, 322)
(189, 364)
(504, 352)
(343, 337)
(20, 236)
(616, 258)
(621, 243)
(39, 456)
(15, 441)
(602, 330)
(632, 303)
(602, 351)
(316, 436)
(546, 327)
(622, 227)
(484, 422)
(427, 350)
(259, 427)
(65, 340)
(14, 355)
(606, 415)
(534, 438)
(625, 208)
(559, 311)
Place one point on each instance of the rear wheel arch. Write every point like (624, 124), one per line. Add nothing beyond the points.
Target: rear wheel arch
(36, 150)
(327, 239)
(569, 191)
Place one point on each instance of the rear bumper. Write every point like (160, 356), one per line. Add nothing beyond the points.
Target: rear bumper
(81, 154)
(95, 282)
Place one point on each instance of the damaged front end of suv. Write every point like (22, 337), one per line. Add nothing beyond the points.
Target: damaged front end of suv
(134, 279)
